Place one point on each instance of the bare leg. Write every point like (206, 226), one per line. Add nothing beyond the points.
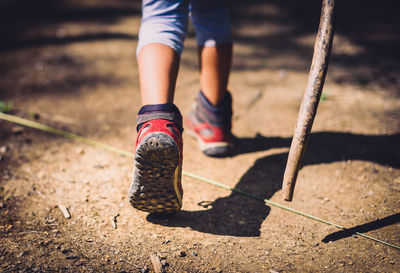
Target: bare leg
(158, 70)
(215, 66)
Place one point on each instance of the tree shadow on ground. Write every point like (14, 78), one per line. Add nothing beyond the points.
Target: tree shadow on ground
(271, 31)
(238, 215)
(29, 67)
(367, 52)
(19, 17)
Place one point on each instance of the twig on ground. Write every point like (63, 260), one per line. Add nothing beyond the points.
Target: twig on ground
(65, 211)
(157, 266)
(113, 220)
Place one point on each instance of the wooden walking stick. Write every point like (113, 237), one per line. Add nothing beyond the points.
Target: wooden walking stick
(312, 94)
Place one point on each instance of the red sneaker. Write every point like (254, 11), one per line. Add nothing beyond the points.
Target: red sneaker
(213, 132)
(156, 184)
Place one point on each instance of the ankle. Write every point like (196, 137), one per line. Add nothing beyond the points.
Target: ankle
(221, 113)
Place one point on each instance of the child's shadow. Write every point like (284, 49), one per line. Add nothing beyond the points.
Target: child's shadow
(236, 214)
(239, 215)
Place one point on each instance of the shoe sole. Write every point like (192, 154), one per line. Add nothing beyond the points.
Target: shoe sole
(216, 149)
(157, 173)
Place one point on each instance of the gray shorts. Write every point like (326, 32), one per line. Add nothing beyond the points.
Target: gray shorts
(166, 21)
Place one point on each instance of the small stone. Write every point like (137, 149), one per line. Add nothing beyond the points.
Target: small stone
(72, 257)
(79, 263)
(65, 250)
(80, 151)
(273, 271)
(41, 175)
(143, 270)
(164, 263)
(61, 33)
(39, 66)
(35, 116)
(391, 262)
(316, 244)
(22, 253)
(194, 254)
(17, 129)
(3, 150)
(181, 253)
(282, 74)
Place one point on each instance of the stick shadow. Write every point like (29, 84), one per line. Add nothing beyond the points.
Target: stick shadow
(380, 223)
(238, 215)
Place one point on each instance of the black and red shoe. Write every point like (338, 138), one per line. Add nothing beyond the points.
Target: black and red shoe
(156, 184)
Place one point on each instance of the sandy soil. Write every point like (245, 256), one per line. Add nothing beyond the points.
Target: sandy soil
(73, 66)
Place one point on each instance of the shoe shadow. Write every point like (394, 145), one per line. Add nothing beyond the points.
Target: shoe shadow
(235, 214)
(238, 215)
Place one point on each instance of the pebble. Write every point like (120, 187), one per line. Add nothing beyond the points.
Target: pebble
(194, 254)
(35, 116)
(370, 193)
(39, 66)
(22, 253)
(3, 150)
(65, 250)
(79, 263)
(181, 253)
(17, 129)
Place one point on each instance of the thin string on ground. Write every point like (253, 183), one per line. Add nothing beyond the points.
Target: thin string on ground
(45, 128)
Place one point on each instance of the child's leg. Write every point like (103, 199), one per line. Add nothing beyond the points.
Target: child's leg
(156, 184)
(158, 70)
(210, 120)
(161, 36)
(215, 66)
(213, 32)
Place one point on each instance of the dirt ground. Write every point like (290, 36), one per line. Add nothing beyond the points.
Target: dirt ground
(72, 65)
